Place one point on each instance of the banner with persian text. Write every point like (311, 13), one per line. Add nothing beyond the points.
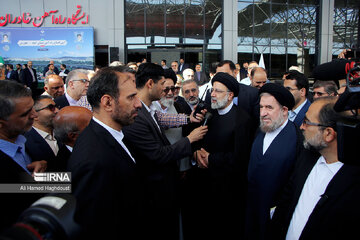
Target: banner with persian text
(71, 46)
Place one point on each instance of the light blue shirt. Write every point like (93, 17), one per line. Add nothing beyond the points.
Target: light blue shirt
(16, 151)
(294, 113)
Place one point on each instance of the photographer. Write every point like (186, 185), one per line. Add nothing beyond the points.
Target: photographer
(321, 200)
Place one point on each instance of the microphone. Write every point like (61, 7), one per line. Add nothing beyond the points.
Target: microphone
(208, 115)
(334, 70)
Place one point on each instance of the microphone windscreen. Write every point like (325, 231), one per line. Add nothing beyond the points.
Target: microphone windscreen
(208, 115)
(334, 70)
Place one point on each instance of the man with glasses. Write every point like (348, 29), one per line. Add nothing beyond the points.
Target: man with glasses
(324, 88)
(251, 66)
(77, 83)
(175, 67)
(54, 86)
(190, 91)
(40, 141)
(298, 84)
(222, 159)
(273, 155)
(322, 199)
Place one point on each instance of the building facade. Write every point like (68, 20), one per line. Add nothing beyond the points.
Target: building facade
(286, 32)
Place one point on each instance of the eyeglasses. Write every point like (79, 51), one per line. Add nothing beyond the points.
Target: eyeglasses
(217, 90)
(291, 89)
(167, 89)
(193, 90)
(307, 122)
(83, 80)
(318, 93)
(51, 107)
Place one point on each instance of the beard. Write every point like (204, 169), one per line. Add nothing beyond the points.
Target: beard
(167, 102)
(220, 103)
(123, 118)
(275, 124)
(193, 100)
(316, 142)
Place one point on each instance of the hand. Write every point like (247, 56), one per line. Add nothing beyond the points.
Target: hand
(202, 158)
(37, 166)
(343, 53)
(199, 116)
(197, 134)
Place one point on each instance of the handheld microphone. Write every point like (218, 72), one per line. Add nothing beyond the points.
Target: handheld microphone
(208, 115)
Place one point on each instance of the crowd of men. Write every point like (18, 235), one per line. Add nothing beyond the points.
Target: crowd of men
(150, 158)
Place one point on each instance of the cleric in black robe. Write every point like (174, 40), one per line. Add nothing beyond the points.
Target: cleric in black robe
(222, 159)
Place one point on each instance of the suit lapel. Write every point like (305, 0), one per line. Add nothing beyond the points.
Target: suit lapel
(39, 139)
(110, 141)
(143, 111)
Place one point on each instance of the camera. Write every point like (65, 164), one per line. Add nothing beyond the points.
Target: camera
(50, 217)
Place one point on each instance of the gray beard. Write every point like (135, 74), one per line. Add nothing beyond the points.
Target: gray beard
(275, 125)
(316, 143)
(167, 102)
(193, 102)
(220, 104)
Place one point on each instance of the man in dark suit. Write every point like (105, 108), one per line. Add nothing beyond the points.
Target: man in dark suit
(104, 178)
(321, 201)
(298, 84)
(200, 76)
(40, 141)
(182, 66)
(77, 83)
(29, 78)
(68, 123)
(156, 157)
(270, 163)
(56, 70)
(11, 73)
(16, 117)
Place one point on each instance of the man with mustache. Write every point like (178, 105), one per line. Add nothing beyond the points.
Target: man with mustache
(273, 155)
(104, 178)
(321, 200)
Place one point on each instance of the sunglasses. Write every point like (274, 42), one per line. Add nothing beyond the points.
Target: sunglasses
(51, 107)
(167, 89)
(56, 88)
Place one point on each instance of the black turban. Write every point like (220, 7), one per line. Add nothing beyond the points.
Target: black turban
(280, 93)
(228, 80)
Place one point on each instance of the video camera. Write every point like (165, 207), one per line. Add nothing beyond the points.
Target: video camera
(348, 128)
(50, 217)
(201, 105)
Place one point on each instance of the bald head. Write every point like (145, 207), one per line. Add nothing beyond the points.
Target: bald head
(69, 122)
(54, 85)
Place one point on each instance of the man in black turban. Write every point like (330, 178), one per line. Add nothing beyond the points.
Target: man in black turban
(222, 158)
(273, 155)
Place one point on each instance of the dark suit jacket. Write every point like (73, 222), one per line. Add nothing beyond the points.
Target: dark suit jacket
(203, 78)
(27, 78)
(62, 158)
(56, 70)
(300, 116)
(13, 204)
(156, 162)
(267, 175)
(61, 101)
(335, 216)
(104, 181)
(38, 149)
(184, 66)
(13, 75)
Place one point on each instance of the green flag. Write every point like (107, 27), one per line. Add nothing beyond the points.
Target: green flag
(2, 60)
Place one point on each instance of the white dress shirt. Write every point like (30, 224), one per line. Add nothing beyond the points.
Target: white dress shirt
(51, 141)
(313, 189)
(118, 135)
(270, 136)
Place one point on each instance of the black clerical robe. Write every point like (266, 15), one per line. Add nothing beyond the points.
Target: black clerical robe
(221, 185)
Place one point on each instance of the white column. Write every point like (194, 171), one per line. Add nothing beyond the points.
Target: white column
(326, 30)
(230, 30)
